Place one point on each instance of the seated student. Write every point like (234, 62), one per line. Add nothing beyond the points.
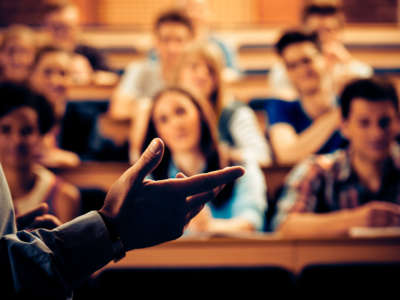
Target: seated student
(25, 117)
(75, 135)
(17, 51)
(50, 76)
(199, 71)
(327, 195)
(191, 148)
(61, 23)
(173, 31)
(199, 12)
(327, 19)
(310, 124)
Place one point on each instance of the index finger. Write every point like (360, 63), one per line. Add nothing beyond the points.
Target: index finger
(205, 182)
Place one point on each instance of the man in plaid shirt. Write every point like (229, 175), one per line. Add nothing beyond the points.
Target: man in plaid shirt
(326, 195)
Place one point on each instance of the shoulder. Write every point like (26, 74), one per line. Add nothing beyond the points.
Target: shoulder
(68, 191)
(63, 188)
(318, 166)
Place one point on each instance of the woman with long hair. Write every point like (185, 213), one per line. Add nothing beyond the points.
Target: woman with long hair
(187, 128)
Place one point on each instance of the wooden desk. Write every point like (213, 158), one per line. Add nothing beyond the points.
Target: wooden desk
(94, 174)
(90, 92)
(263, 250)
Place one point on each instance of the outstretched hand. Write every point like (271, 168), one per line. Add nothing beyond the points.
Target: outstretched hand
(146, 212)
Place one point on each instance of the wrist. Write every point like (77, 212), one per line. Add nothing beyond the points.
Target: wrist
(117, 245)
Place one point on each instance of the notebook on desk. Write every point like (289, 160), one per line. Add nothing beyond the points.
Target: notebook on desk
(374, 232)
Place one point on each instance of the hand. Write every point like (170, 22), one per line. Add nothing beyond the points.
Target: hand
(379, 214)
(37, 218)
(145, 212)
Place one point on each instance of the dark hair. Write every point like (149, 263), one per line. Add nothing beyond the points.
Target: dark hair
(41, 52)
(375, 89)
(321, 10)
(208, 144)
(296, 36)
(15, 95)
(174, 16)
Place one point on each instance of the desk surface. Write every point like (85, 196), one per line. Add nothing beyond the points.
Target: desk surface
(261, 250)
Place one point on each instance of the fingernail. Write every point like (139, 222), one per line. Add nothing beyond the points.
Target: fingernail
(155, 147)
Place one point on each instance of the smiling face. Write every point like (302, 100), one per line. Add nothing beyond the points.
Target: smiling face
(17, 56)
(371, 127)
(19, 137)
(305, 66)
(177, 121)
(51, 77)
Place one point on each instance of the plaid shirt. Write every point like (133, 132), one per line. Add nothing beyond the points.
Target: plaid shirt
(325, 183)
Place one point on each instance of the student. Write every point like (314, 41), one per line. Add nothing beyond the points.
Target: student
(25, 117)
(61, 23)
(327, 195)
(199, 71)
(75, 135)
(17, 51)
(50, 264)
(173, 32)
(191, 148)
(310, 124)
(51, 77)
(200, 13)
(326, 18)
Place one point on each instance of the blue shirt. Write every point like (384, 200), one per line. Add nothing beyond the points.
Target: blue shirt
(291, 112)
(248, 199)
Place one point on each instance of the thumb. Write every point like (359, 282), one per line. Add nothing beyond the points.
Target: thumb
(147, 162)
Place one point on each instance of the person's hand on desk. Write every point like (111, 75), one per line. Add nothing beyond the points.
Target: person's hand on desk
(144, 212)
(378, 214)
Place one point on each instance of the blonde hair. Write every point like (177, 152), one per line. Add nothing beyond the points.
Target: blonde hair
(214, 64)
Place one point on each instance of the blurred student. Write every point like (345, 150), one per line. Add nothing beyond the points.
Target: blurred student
(199, 71)
(25, 117)
(191, 148)
(173, 32)
(51, 77)
(61, 21)
(327, 20)
(137, 213)
(75, 135)
(200, 13)
(17, 51)
(309, 124)
(327, 195)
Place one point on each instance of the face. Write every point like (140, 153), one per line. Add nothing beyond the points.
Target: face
(305, 65)
(51, 77)
(327, 27)
(171, 40)
(19, 137)
(198, 76)
(177, 122)
(17, 57)
(63, 27)
(371, 127)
